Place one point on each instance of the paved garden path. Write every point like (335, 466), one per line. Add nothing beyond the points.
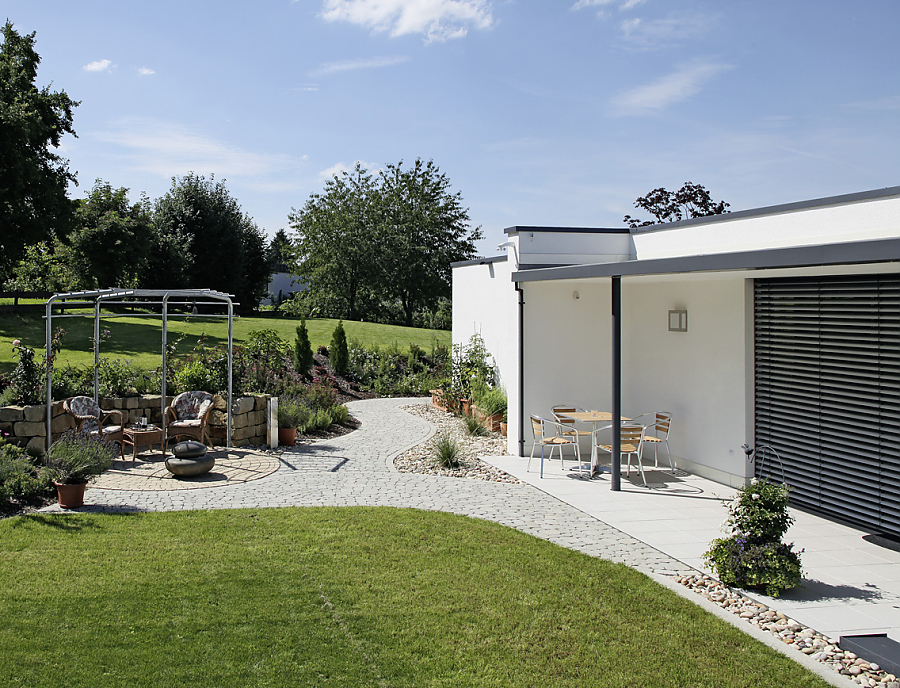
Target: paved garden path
(357, 470)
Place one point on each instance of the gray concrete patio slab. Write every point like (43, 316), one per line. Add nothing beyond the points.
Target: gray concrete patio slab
(851, 586)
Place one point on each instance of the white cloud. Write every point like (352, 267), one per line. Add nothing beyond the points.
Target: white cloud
(168, 149)
(437, 20)
(660, 33)
(362, 63)
(98, 66)
(627, 5)
(145, 71)
(340, 167)
(667, 90)
(581, 4)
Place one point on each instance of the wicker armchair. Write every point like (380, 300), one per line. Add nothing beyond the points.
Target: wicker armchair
(91, 419)
(188, 416)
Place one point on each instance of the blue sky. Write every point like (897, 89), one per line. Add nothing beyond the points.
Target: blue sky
(540, 113)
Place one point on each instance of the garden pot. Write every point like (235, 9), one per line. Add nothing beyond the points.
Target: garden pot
(502, 429)
(287, 436)
(466, 406)
(71, 496)
(437, 399)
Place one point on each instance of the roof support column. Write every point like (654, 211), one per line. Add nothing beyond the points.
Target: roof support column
(616, 484)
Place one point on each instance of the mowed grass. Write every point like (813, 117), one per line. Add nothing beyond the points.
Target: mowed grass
(344, 597)
(140, 338)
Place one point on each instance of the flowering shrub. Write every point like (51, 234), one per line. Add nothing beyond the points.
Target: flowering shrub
(74, 457)
(754, 556)
(22, 477)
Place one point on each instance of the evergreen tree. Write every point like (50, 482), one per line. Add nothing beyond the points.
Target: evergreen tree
(338, 352)
(303, 353)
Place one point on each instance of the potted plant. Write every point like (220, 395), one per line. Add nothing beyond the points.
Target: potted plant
(290, 414)
(490, 408)
(503, 425)
(73, 459)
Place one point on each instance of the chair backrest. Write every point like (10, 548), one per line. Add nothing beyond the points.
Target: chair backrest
(191, 405)
(560, 410)
(84, 406)
(631, 434)
(537, 428)
(661, 427)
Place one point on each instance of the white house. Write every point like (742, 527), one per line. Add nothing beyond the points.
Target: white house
(792, 339)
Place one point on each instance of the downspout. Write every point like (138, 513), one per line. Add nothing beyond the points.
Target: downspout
(521, 370)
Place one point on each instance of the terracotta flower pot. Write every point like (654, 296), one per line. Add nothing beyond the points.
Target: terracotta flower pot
(287, 436)
(502, 429)
(70, 496)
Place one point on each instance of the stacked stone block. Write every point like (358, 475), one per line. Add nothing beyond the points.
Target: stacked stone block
(25, 425)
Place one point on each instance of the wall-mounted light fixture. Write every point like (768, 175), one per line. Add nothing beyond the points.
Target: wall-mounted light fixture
(678, 321)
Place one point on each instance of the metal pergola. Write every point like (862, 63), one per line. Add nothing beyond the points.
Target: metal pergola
(145, 297)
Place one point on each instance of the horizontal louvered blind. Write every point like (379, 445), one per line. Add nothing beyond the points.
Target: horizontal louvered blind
(828, 393)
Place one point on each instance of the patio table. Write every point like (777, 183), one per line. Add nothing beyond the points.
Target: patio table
(594, 418)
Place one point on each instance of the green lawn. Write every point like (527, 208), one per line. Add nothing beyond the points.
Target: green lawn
(140, 339)
(344, 597)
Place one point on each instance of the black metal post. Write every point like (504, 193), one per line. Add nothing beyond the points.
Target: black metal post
(616, 484)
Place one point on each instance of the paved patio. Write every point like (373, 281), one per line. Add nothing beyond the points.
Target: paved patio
(851, 586)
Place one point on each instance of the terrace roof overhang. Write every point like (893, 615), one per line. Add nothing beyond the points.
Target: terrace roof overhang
(875, 251)
(141, 297)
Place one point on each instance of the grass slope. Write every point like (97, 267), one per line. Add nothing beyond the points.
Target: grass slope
(140, 339)
(344, 597)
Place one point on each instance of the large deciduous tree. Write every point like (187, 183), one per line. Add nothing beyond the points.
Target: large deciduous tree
(112, 238)
(339, 245)
(33, 178)
(203, 240)
(367, 244)
(691, 200)
(426, 228)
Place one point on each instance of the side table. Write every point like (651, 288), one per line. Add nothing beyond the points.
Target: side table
(135, 437)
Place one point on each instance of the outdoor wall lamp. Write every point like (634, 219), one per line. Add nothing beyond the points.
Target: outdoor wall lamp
(678, 321)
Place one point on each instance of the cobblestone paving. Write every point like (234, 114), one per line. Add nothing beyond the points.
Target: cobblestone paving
(357, 470)
(232, 467)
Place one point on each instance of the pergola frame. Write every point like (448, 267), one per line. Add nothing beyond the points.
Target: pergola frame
(156, 297)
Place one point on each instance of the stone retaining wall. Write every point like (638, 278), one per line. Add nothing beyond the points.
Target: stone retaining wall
(25, 425)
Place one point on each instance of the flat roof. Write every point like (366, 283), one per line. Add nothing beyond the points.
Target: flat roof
(848, 253)
(568, 230)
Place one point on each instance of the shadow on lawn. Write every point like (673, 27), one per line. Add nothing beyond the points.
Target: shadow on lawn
(126, 338)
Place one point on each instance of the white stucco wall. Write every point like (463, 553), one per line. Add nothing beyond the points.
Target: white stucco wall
(869, 219)
(485, 302)
(701, 375)
(567, 348)
(573, 248)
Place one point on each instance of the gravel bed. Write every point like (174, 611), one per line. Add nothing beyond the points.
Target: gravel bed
(806, 640)
(420, 459)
